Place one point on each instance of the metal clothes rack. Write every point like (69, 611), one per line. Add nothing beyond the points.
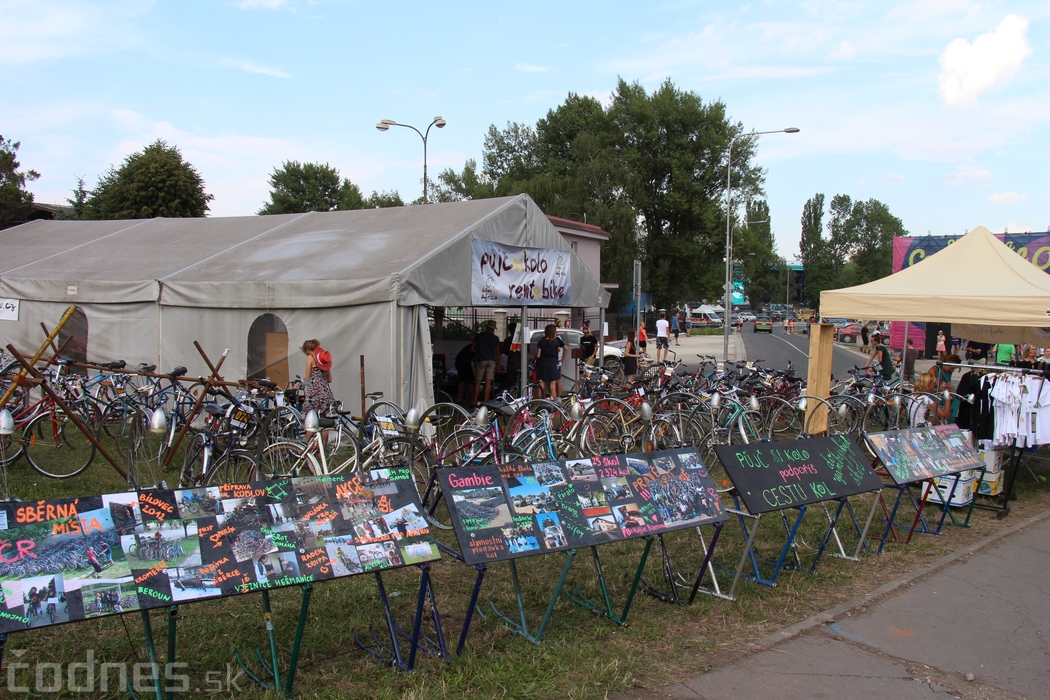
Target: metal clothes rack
(1002, 509)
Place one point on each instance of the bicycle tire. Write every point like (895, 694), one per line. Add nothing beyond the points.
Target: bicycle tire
(467, 446)
(192, 472)
(235, 467)
(288, 459)
(55, 447)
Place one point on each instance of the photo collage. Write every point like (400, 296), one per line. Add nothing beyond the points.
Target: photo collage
(72, 559)
(514, 510)
(923, 453)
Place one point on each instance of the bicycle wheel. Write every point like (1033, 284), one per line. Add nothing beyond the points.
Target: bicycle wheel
(148, 450)
(192, 472)
(663, 434)
(234, 467)
(283, 424)
(55, 447)
(441, 420)
(466, 446)
(787, 422)
(288, 459)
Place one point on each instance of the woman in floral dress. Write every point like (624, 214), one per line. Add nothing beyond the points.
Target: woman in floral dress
(318, 377)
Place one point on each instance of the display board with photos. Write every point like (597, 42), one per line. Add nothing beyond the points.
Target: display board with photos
(771, 476)
(516, 510)
(73, 559)
(917, 454)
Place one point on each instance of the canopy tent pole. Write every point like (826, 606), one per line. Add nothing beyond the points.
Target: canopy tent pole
(524, 348)
(601, 337)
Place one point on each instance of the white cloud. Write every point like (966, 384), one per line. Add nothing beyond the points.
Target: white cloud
(260, 4)
(249, 67)
(993, 59)
(844, 51)
(1007, 198)
(530, 68)
(972, 178)
(37, 31)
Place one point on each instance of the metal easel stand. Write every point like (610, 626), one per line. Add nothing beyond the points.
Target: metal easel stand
(522, 628)
(606, 609)
(973, 501)
(481, 569)
(674, 581)
(946, 509)
(832, 531)
(392, 654)
(270, 678)
(749, 551)
(159, 691)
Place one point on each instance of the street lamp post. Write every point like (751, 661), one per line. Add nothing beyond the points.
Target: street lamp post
(438, 122)
(728, 303)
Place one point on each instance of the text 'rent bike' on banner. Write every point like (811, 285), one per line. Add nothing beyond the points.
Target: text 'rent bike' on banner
(72, 559)
(517, 510)
(519, 276)
(771, 476)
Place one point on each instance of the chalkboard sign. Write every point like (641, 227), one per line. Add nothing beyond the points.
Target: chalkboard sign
(923, 453)
(72, 559)
(772, 476)
(516, 510)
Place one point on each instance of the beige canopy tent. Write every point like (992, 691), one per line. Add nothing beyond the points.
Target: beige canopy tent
(978, 281)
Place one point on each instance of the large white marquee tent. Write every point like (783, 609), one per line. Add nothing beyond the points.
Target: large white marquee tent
(360, 281)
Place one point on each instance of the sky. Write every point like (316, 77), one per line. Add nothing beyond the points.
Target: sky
(937, 108)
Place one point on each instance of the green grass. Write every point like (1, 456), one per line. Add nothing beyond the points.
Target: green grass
(582, 656)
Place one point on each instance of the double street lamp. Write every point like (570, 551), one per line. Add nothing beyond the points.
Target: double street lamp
(728, 303)
(385, 124)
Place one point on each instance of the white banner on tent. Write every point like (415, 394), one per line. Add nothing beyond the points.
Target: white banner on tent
(8, 309)
(521, 276)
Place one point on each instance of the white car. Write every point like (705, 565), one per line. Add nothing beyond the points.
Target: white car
(747, 316)
(571, 337)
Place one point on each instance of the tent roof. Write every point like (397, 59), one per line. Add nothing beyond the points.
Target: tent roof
(977, 280)
(416, 254)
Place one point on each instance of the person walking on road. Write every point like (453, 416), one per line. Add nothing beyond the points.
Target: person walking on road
(643, 337)
(785, 325)
(864, 339)
(676, 325)
(662, 338)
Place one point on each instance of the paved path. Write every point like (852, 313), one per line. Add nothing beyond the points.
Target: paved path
(974, 624)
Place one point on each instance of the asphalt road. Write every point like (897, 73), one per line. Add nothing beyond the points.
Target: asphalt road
(778, 348)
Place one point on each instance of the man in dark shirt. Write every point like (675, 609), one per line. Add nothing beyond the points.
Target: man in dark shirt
(588, 346)
(907, 359)
(486, 345)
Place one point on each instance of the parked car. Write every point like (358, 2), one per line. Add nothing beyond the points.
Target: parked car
(747, 316)
(571, 337)
(848, 333)
(763, 324)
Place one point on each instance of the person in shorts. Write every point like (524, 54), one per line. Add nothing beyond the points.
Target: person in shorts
(486, 347)
(662, 338)
(676, 325)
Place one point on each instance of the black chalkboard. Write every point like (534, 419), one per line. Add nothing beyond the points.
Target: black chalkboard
(516, 510)
(923, 453)
(772, 476)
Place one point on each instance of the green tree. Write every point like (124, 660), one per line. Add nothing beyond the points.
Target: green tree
(858, 248)
(155, 182)
(78, 203)
(299, 187)
(874, 229)
(754, 251)
(382, 200)
(469, 184)
(813, 251)
(16, 202)
(674, 148)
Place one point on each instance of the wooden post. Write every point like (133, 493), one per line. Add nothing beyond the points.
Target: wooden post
(818, 382)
